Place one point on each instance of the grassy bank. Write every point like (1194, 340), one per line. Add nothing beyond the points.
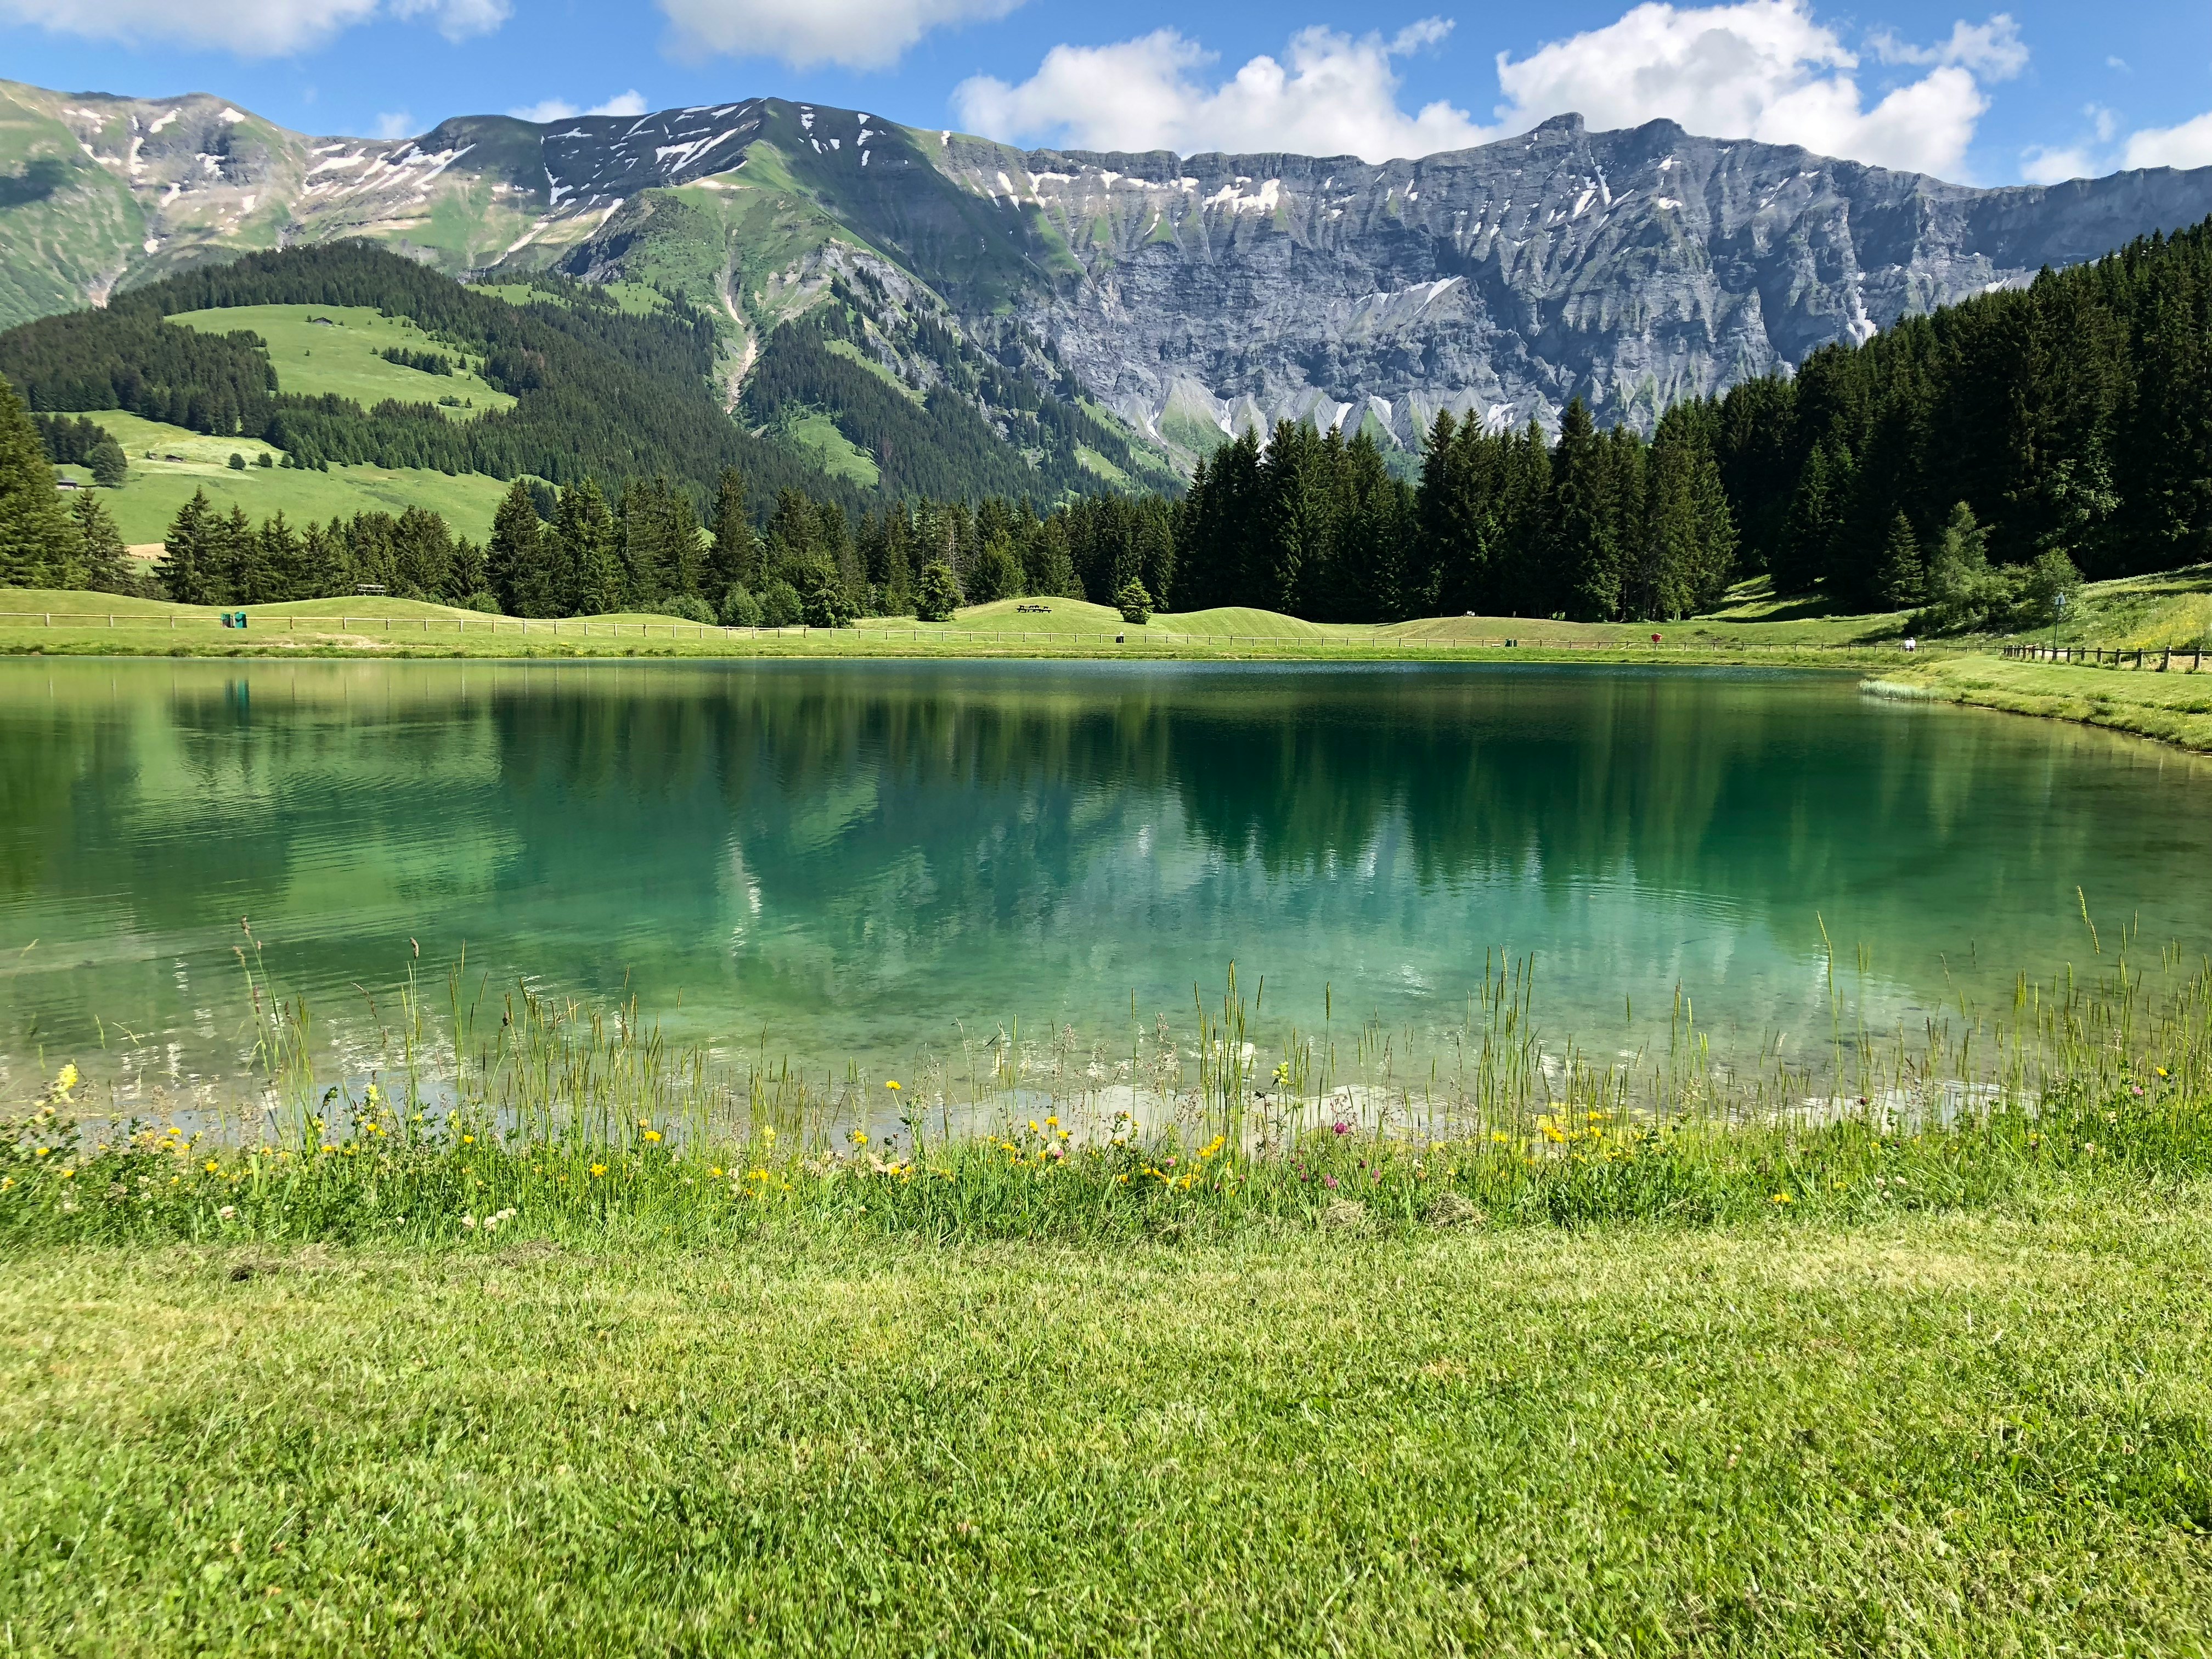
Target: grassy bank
(38, 622)
(1934, 1433)
(552, 1340)
(2174, 707)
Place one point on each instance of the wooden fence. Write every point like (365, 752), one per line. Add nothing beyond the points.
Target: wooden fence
(2156, 659)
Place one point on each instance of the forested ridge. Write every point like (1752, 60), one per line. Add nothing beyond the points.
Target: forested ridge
(1966, 467)
(600, 392)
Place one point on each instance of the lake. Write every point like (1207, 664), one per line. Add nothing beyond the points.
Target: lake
(863, 859)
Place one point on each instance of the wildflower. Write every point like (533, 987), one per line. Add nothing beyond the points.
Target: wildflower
(1341, 1126)
(69, 1175)
(65, 1080)
(769, 1134)
(1329, 1181)
(892, 1085)
(715, 1170)
(1783, 1198)
(469, 1221)
(42, 1151)
(599, 1168)
(228, 1212)
(1049, 1123)
(2161, 1070)
(468, 1140)
(6, 1182)
(653, 1134)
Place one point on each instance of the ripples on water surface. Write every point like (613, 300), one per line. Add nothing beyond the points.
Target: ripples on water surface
(851, 857)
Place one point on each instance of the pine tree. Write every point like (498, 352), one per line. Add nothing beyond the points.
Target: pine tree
(826, 603)
(1904, 577)
(186, 567)
(37, 543)
(283, 561)
(996, 573)
(110, 469)
(1133, 603)
(234, 554)
(106, 563)
(938, 595)
(1582, 545)
(465, 577)
(515, 562)
(423, 549)
(590, 560)
(734, 558)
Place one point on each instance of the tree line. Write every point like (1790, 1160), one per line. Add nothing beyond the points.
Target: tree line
(1967, 466)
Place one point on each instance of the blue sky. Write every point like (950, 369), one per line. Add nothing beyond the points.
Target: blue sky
(2042, 89)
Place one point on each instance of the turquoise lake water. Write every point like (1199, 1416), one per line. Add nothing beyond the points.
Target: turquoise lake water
(862, 860)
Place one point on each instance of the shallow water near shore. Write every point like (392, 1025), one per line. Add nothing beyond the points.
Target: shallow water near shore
(873, 861)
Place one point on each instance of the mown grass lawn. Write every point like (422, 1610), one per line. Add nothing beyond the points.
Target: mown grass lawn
(1965, 1432)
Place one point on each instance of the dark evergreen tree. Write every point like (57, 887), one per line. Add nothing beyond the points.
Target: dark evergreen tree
(106, 567)
(110, 469)
(734, 559)
(588, 561)
(187, 568)
(1903, 574)
(38, 543)
(1582, 528)
(939, 595)
(516, 570)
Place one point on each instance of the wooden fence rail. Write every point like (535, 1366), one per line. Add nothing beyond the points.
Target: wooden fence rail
(2155, 659)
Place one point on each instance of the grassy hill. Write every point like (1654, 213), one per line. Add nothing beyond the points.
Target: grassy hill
(143, 507)
(336, 350)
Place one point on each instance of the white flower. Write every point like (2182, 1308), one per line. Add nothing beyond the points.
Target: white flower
(228, 1212)
(469, 1221)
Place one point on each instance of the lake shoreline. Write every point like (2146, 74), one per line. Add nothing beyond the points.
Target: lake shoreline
(2172, 707)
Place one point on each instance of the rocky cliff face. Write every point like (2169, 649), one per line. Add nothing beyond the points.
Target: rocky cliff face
(1191, 296)
(1628, 268)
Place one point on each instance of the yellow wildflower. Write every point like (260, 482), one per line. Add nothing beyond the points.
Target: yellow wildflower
(653, 1134)
(1783, 1198)
(468, 1140)
(42, 1151)
(891, 1084)
(210, 1166)
(599, 1168)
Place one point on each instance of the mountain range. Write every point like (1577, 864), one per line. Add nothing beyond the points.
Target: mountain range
(1149, 304)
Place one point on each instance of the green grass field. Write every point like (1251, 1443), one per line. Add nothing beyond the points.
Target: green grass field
(343, 358)
(1942, 1434)
(148, 501)
(1605, 1374)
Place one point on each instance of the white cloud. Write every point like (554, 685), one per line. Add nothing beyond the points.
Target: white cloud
(1766, 69)
(2045, 164)
(1755, 68)
(1336, 96)
(864, 34)
(1993, 50)
(560, 109)
(457, 20)
(395, 123)
(2188, 145)
(248, 28)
